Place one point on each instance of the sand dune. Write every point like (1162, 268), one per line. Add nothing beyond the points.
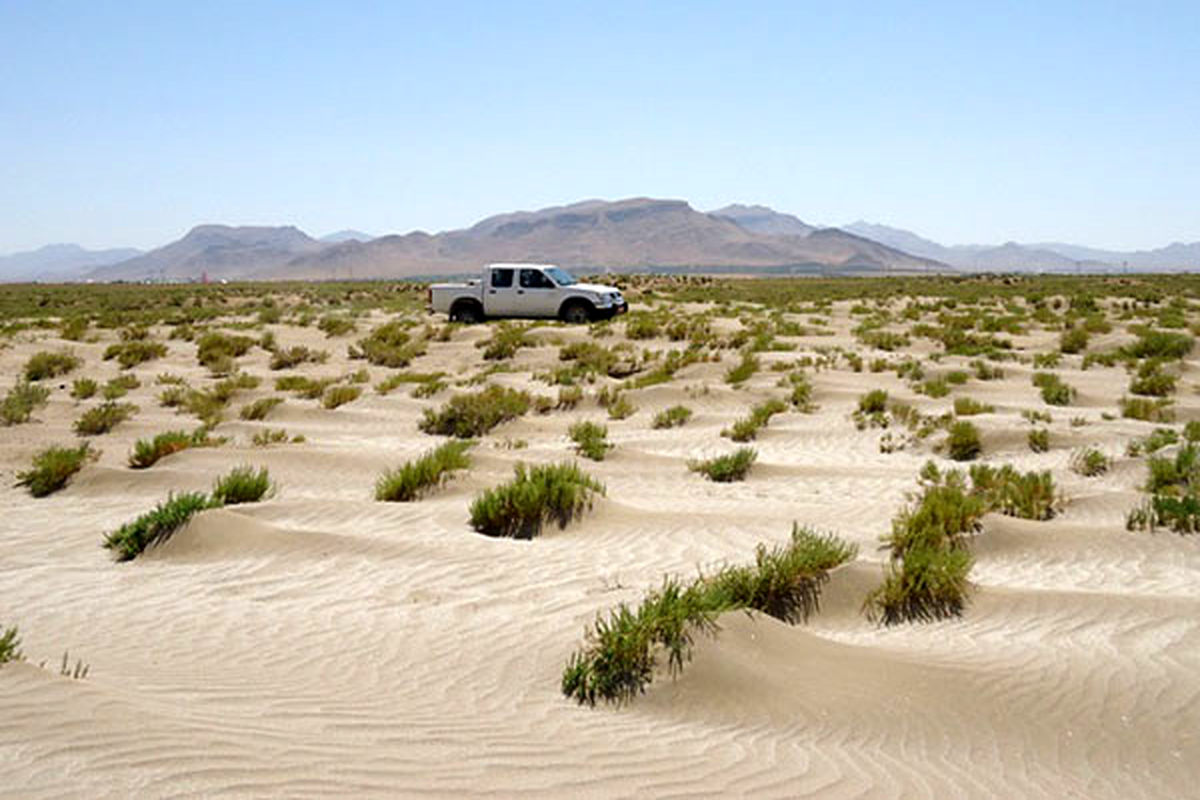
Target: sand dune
(321, 643)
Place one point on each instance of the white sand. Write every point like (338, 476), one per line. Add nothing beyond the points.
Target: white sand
(322, 643)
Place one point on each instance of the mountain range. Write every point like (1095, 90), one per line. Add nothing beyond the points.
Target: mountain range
(637, 234)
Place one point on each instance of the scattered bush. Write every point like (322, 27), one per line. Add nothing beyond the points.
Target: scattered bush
(340, 395)
(969, 407)
(83, 388)
(1028, 495)
(219, 351)
(243, 484)
(137, 351)
(506, 340)
(147, 452)
(1151, 381)
(54, 467)
(743, 370)
(47, 364)
(621, 407)
(727, 468)
(746, 429)
(10, 646)
(927, 585)
(118, 387)
(288, 357)
(1073, 340)
(1055, 392)
(103, 418)
(470, 415)
(1039, 440)
(873, 402)
(1090, 462)
(157, 525)
(537, 495)
(259, 409)
(1160, 344)
(332, 325)
(20, 401)
(415, 478)
(1146, 409)
(963, 442)
(591, 440)
(389, 345)
(274, 436)
(672, 417)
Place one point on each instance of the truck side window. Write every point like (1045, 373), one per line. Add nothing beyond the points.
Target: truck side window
(502, 278)
(534, 279)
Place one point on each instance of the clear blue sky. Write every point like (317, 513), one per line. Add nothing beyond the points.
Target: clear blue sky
(125, 123)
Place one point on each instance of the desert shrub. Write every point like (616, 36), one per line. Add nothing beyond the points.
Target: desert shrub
(118, 387)
(274, 436)
(1191, 431)
(591, 440)
(389, 345)
(1160, 344)
(672, 417)
(619, 655)
(639, 325)
(219, 351)
(1146, 409)
(83, 388)
(621, 407)
(746, 429)
(288, 357)
(743, 370)
(802, 391)
(985, 371)
(506, 340)
(957, 377)
(156, 525)
(242, 484)
(1152, 443)
(1039, 440)
(333, 325)
(1046, 360)
(1033, 417)
(147, 452)
(136, 351)
(10, 646)
(73, 329)
(421, 379)
(1089, 462)
(340, 395)
(557, 493)
(569, 397)
(1174, 487)
(1055, 391)
(873, 402)
(48, 364)
(1151, 381)
(470, 415)
(942, 517)
(259, 409)
(927, 585)
(589, 357)
(963, 442)
(415, 478)
(884, 340)
(727, 468)
(1073, 340)
(20, 401)
(1027, 495)
(103, 418)
(968, 407)
(934, 387)
(54, 467)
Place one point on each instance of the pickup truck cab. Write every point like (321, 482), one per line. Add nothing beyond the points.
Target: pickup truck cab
(526, 290)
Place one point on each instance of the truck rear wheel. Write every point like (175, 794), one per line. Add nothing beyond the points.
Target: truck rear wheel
(577, 313)
(467, 313)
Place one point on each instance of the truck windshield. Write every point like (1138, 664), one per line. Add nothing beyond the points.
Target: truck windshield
(561, 277)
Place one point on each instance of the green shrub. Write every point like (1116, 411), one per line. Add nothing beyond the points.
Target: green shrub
(421, 379)
(389, 345)
(118, 387)
(1028, 495)
(332, 325)
(131, 353)
(969, 407)
(157, 525)
(1090, 462)
(20, 401)
(103, 418)
(415, 478)
(288, 357)
(274, 436)
(470, 415)
(147, 452)
(1073, 340)
(506, 340)
(1054, 391)
(569, 397)
(47, 364)
(591, 440)
(935, 387)
(243, 484)
(54, 467)
(727, 468)
(340, 395)
(1151, 381)
(927, 585)
(743, 370)
(10, 646)
(1191, 431)
(873, 402)
(83, 388)
(1160, 344)
(1039, 440)
(746, 429)
(259, 409)
(621, 407)
(963, 442)
(1146, 409)
(537, 495)
(218, 351)
(672, 417)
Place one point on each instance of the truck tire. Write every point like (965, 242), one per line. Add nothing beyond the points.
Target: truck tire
(576, 312)
(467, 312)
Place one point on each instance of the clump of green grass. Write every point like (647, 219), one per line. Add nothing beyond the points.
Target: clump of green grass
(243, 484)
(1055, 391)
(103, 418)
(389, 345)
(54, 467)
(10, 646)
(506, 340)
(416, 478)
(274, 436)
(1174, 487)
(963, 442)
(620, 652)
(743, 370)
(1038, 439)
(873, 402)
(734, 466)
(1160, 344)
(1026, 495)
(398, 379)
(1073, 340)
(620, 406)
(259, 409)
(569, 397)
(1090, 462)
(50, 364)
(672, 417)
(747, 428)
(83, 388)
(591, 440)
(157, 525)
(219, 351)
(969, 407)
(118, 387)
(538, 495)
(20, 401)
(148, 452)
(1147, 409)
(288, 357)
(340, 395)
(333, 325)
(136, 351)
(470, 415)
(1152, 381)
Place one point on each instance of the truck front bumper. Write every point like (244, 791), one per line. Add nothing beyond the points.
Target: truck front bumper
(615, 310)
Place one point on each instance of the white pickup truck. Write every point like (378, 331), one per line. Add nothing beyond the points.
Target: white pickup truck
(526, 290)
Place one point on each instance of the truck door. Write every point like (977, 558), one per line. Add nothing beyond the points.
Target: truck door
(541, 295)
(500, 294)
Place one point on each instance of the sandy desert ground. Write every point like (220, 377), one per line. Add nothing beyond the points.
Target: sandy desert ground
(322, 643)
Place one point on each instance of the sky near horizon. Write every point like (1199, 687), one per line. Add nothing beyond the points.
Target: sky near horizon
(127, 123)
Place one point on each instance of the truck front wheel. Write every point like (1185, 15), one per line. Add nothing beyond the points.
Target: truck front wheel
(577, 313)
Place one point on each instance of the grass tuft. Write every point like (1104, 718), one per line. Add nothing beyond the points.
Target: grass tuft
(519, 509)
(157, 525)
(591, 440)
(48, 364)
(470, 415)
(416, 478)
(243, 484)
(727, 468)
(103, 418)
(54, 467)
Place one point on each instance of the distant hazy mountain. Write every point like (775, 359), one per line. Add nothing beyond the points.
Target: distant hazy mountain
(348, 235)
(639, 233)
(218, 251)
(58, 262)
(760, 219)
(1042, 256)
